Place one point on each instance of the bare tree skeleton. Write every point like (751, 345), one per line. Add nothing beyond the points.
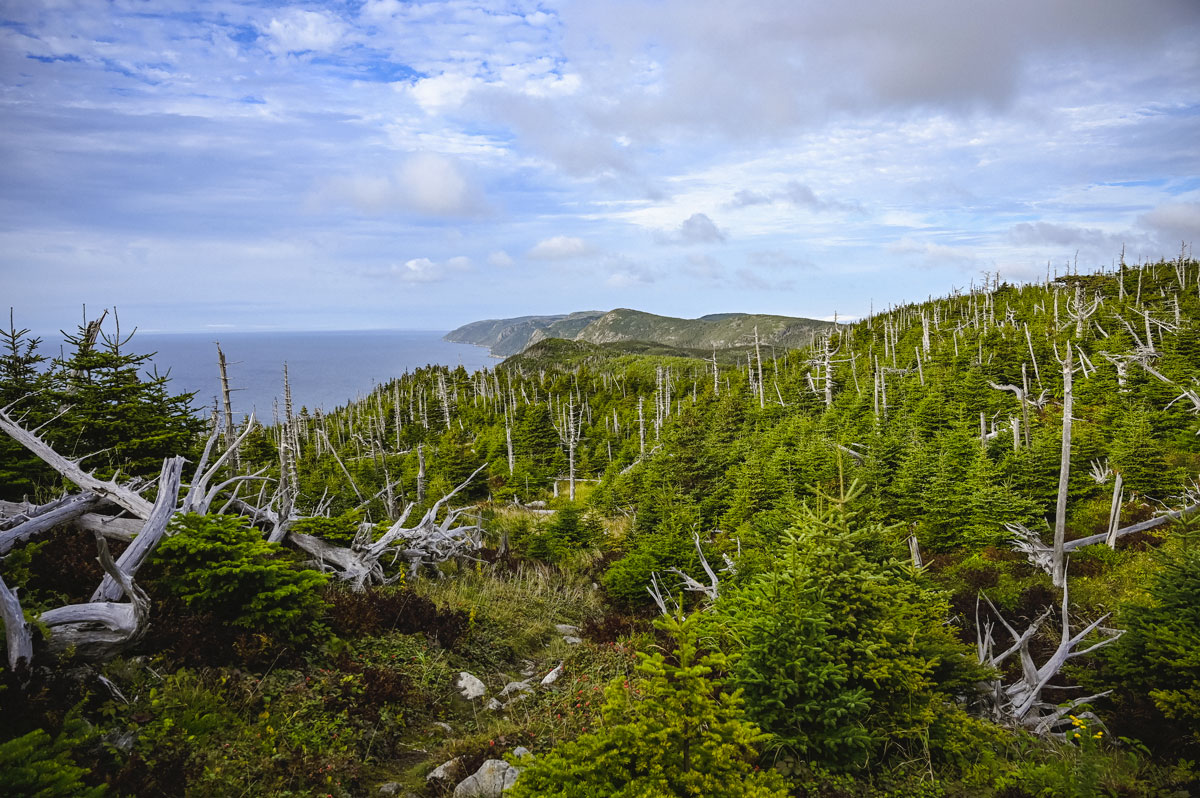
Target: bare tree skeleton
(430, 542)
(1020, 703)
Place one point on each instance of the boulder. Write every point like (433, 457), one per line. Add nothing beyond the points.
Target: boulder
(492, 780)
(470, 686)
(552, 677)
(450, 772)
(516, 687)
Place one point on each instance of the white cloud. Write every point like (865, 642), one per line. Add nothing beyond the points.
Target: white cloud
(931, 254)
(1176, 220)
(696, 229)
(427, 183)
(436, 185)
(559, 248)
(297, 31)
(419, 270)
(500, 259)
(425, 270)
(442, 92)
(627, 278)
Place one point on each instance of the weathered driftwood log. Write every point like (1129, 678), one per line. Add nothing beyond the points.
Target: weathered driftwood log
(430, 542)
(99, 630)
(33, 520)
(120, 495)
(1038, 553)
(112, 527)
(1020, 703)
(17, 635)
(94, 631)
(143, 545)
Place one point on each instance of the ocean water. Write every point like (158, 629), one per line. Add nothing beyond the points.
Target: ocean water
(325, 369)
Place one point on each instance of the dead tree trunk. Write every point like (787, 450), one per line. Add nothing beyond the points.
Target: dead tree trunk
(568, 430)
(429, 543)
(229, 433)
(143, 545)
(117, 494)
(25, 522)
(1020, 703)
(420, 473)
(1064, 474)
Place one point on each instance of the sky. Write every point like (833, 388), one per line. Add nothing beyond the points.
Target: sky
(225, 165)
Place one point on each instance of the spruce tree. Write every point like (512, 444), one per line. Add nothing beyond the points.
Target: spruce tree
(22, 383)
(674, 733)
(121, 419)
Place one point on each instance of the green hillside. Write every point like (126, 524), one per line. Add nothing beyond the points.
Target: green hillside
(506, 337)
(716, 331)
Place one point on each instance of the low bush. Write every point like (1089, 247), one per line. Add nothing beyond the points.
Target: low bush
(218, 564)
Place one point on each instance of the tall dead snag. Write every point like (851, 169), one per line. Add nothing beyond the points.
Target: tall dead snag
(568, 429)
(1064, 472)
(1114, 511)
(1019, 703)
(758, 356)
(825, 362)
(430, 543)
(229, 436)
(420, 473)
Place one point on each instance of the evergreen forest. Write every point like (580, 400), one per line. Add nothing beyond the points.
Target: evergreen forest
(946, 550)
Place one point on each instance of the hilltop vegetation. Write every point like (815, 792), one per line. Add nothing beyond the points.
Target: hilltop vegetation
(717, 331)
(871, 573)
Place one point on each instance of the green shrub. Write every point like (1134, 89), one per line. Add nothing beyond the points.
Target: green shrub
(339, 530)
(673, 734)
(667, 545)
(37, 766)
(842, 651)
(1159, 654)
(568, 530)
(220, 565)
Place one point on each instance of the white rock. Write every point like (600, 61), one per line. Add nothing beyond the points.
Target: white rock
(516, 687)
(450, 771)
(552, 677)
(571, 640)
(492, 780)
(520, 752)
(470, 686)
(443, 726)
(566, 629)
(494, 704)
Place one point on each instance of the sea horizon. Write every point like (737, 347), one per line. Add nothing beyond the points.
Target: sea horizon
(326, 368)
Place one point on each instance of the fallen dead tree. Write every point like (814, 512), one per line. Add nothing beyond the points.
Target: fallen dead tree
(1019, 703)
(106, 625)
(1040, 555)
(429, 543)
